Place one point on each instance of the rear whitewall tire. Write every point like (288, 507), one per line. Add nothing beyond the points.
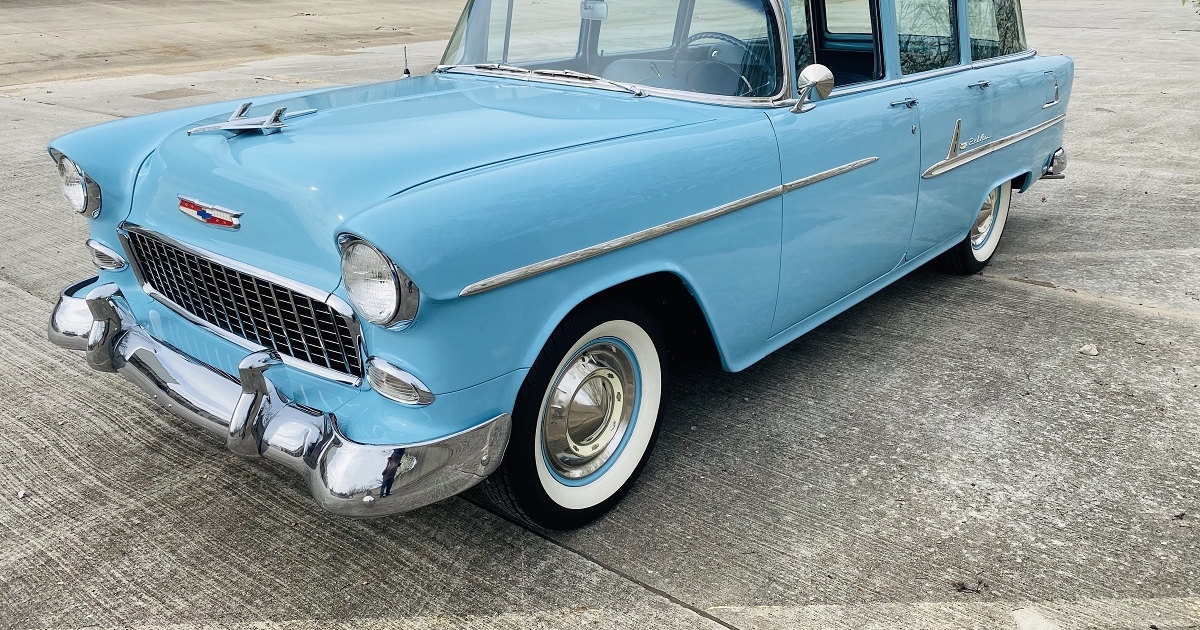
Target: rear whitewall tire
(977, 249)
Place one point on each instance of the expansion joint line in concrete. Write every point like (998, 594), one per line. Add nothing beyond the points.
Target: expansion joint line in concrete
(615, 571)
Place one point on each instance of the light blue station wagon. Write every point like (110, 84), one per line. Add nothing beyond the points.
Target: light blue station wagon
(401, 290)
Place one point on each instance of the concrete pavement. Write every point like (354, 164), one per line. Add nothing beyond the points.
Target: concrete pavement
(941, 456)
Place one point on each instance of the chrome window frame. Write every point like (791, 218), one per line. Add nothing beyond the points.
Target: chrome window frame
(784, 97)
(859, 88)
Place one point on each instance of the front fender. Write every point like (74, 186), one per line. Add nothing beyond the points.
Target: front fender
(459, 230)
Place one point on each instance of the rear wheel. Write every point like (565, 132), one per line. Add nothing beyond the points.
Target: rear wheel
(977, 249)
(585, 420)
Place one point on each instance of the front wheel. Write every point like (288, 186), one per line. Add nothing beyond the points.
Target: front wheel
(585, 420)
(976, 250)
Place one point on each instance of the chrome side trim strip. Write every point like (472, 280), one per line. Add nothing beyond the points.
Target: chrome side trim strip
(824, 175)
(879, 84)
(954, 159)
(558, 262)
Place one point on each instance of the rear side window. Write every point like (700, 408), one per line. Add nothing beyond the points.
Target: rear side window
(996, 28)
(928, 36)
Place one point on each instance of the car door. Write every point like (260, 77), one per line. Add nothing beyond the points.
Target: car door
(967, 97)
(954, 106)
(849, 167)
(1016, 88)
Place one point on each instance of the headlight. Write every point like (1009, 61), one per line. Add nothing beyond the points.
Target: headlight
(380, 292)
(81, 192)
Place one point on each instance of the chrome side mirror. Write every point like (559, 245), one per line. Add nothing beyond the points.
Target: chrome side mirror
(593, 10)
(815, 78)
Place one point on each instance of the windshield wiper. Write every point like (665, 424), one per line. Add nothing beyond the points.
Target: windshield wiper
(569, 74)
(495, 67)
(500, 67)
(574, 74)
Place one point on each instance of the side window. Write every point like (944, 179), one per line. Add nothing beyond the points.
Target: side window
(996, 28)
(928, 36)
(802, 43)
(848, 17)
(847, 38)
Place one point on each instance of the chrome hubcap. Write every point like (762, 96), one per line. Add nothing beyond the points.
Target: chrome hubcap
(588, 410)
(986, 220)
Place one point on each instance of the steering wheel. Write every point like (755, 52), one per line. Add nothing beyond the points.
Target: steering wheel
(754, 58)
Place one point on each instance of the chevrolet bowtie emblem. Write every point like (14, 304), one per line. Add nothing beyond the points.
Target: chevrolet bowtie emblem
(210, 214)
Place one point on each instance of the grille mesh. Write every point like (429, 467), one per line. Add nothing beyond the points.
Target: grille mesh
(268, 314)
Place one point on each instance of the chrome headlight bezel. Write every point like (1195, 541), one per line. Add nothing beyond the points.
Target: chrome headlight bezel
(68, 170)
(407, 296)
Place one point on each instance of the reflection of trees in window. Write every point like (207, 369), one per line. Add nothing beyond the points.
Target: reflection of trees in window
(801, 42)
(995, 27)
(928, 40)
(1008, 22)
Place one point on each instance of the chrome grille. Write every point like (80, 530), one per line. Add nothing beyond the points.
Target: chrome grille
(266, 313)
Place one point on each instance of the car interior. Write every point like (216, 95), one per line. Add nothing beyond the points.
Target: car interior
(719, 47)
(727, 47)
(848, 44)
(719, 63)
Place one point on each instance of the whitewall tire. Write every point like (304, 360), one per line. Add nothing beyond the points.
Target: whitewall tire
(977, 249)
(585, 420)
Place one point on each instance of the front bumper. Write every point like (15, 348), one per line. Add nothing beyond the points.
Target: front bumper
(256, 420)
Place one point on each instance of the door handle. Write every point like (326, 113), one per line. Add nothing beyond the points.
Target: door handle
(979, 84)
(908, 102)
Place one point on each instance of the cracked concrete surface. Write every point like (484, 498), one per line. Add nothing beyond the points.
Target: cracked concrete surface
(940, 456)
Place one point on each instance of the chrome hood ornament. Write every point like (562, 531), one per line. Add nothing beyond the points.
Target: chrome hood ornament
(238, 123)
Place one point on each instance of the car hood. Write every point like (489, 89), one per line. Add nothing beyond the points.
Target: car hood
(363, 145)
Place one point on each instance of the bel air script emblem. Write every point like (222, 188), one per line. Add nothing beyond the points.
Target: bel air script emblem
(980, 139)
(210, 214)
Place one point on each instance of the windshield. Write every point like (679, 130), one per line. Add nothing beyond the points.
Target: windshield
(721, 47)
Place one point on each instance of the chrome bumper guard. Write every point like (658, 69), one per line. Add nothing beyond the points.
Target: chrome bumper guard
(255, 420)
(1058, 164)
